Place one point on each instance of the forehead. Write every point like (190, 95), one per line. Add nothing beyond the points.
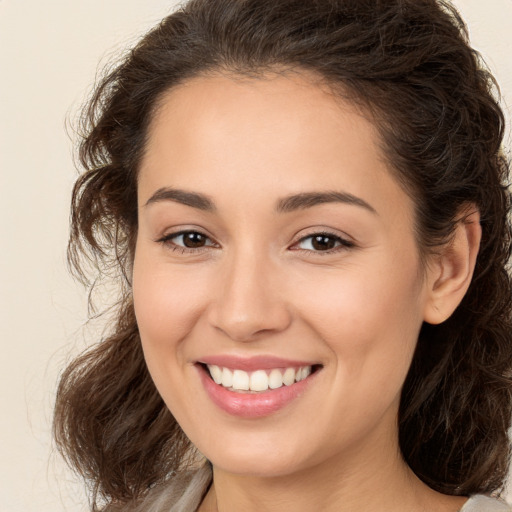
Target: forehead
(279, 133)
(295, 104)
(297, 107)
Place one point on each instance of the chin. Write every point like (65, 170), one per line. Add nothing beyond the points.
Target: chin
(259, 458)
(262, 468)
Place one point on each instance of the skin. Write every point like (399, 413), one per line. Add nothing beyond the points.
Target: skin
(259, 287)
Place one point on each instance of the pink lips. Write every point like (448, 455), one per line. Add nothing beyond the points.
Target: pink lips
(252, 405)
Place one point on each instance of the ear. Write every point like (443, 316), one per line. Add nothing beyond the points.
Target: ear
(450, 272)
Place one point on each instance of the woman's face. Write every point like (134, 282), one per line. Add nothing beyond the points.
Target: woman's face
(273, 242)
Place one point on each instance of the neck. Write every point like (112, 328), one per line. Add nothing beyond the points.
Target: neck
(373, 481)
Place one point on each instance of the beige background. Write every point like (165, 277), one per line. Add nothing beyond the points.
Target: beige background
(49, 53)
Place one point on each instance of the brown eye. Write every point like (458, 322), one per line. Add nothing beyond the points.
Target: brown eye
(323, 242)
(187, 240)
(192, 239)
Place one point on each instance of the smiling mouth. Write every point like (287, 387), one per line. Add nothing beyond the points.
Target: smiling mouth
(258, 381)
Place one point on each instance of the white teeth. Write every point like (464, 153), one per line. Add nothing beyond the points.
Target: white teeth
(289, 376)
(227, 378)
(303, 373)
(259, 380)
(216, 373)
(240, 380)
(275, 379)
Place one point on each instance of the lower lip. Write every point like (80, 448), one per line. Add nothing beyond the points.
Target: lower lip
(252, 405)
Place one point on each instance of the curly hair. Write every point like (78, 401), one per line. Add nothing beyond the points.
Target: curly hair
(409, 65)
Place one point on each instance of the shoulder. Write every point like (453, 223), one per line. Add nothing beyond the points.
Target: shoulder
(190, 495)
(481, 503)
(182, 493)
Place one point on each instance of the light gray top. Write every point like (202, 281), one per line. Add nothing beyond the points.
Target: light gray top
(481, 503)
(185, 494)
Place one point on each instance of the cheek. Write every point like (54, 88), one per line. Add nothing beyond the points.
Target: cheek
(167, 303)
(370, 321)
(167, 306)
(364, 303)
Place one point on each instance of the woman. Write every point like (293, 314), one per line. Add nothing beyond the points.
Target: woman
(306, 202)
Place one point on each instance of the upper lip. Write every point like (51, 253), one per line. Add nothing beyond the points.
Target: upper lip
(263, 362)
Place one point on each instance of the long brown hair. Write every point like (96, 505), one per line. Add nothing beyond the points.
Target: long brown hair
(408, 64)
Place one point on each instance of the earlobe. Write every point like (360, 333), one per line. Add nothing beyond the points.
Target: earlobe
(450, 274)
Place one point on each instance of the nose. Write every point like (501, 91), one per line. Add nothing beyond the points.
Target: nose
(249, 301)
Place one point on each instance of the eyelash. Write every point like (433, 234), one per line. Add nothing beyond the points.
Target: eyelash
(168, 243)
(343, 244)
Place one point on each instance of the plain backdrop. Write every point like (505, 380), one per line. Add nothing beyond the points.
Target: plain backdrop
(49, 56)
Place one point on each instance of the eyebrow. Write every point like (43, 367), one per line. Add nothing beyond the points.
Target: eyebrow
(286, 204)
(310, 199)
(193, 199)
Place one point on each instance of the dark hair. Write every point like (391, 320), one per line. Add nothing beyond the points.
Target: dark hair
(408, 64)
